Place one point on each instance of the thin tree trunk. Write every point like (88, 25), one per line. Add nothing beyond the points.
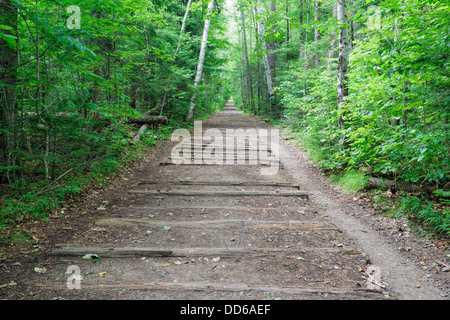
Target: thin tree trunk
(265, 58)
(260, 73)
(301, 29)
(316, 31)
(316, 18)
(201, 60)
(342, 87)
(306, 28)
(397, 28)
(272, 44)
(241, 73)
(332, 51)
(183, 26)
(249, 72)
(8, 91)
(288, 31)
(306, 43)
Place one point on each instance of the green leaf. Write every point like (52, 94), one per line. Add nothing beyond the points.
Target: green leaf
(10, 40)
(5, 27)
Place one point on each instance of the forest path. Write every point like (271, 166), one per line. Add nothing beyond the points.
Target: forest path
(212, 231)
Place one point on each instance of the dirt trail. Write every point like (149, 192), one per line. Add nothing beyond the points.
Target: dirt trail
(209, 231)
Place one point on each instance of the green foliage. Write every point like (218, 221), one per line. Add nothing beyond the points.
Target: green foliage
(396, 114)
(78, 88)
(422, 210)
(444, 196)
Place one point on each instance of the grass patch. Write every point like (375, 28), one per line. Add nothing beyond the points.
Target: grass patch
(352, 181)
(421, 211)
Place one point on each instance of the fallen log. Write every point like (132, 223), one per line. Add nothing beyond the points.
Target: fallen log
(151, 120)
(375, 183)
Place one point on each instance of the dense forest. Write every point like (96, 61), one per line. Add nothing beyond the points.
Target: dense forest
(88, 86)
(363, 85)
(79, 79)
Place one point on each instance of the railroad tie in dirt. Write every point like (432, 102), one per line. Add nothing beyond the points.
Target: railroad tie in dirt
(224, 193)
(224, 183)
(299, 292)
(180, 252)
(265, 162)
(257, 224)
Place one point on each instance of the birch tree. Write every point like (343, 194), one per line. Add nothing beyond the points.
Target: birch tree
(272, 44)
(316, 19)
(183, 26)
(201, 60)
(342, 86)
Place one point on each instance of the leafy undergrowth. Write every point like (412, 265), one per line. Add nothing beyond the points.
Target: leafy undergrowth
(424, 212)
(430, 214)
(27, 200)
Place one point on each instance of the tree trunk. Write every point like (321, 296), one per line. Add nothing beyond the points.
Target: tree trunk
(150, 120)
(316, 18)
(8, 94)
(183, 26)
(288, 27)
(375, 183)
(342, 87)
(333, 36)
(265, 58)
(201, 60)
(301, 29)
(308, 11)
(249, 71)
(316, 30)
(241, 73)
(306, 43)
(272, 44)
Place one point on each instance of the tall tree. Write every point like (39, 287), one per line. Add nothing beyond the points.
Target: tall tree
(183, 26)
(8, 83)
(333, 38)
(288, 27)
(249, 71)
(316, 30)
(201, 60)
(316, 19)
(300, 26)
(342, 86)
(272, 43)
(265, 57)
